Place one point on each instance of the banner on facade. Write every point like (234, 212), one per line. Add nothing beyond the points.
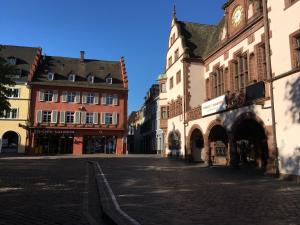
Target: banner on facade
(213, 106)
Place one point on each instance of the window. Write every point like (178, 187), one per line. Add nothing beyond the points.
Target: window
(176, 55)
(90, 98)
(109, 99)
(12, 61)
(46, 116)
(14, 93)
(261, 62)
(91, 79)
(109, 80)
(70, 117)
(48, 96)
(171, 83)
(240, 72)
(71, 96)
(163, 88)
(10, 114)
(108, 118)
(50, 76)
(164, 112)
(71, 77)
(218, 82)
(170, 62)
(295, 49)
(89, 118)
(178, 77)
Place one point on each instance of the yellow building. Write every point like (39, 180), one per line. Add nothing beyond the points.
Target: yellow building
(13, 132)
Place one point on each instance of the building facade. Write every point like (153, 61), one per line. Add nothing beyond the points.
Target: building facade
(78, 106)
(13, 132)
(219, 87)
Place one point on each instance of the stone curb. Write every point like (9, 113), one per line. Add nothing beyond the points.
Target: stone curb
(110, 206)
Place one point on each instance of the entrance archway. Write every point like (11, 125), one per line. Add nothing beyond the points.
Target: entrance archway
(251, 146)
(197, 145)
(218, 145)
(10, 142)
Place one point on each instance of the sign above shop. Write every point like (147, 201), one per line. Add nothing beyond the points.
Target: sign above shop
(213, 106)
(48, 131)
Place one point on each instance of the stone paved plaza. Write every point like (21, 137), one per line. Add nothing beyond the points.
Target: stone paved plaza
(152, 190)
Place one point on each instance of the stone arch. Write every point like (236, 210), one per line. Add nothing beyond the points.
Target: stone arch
(250, 139)
(10, 142)
(217, 143)
(195, 144)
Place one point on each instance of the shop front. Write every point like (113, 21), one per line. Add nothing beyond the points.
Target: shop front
(99, 144)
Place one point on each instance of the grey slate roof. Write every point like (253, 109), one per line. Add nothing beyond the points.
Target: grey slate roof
(24, 59)
(199, 39)
(63, 66)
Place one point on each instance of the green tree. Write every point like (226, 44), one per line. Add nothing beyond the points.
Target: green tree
(5, 70)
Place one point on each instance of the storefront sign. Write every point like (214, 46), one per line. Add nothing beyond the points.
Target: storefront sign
(213, 106)
(54, 131)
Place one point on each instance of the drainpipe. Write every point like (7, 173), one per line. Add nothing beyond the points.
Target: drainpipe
(269, 75)
(184, 108)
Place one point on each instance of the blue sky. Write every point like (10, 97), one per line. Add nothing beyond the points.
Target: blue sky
(105, 29)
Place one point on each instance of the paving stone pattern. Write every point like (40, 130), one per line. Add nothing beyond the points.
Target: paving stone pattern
(42, 192)
(164, 191)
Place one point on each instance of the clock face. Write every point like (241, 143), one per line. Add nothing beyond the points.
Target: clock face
(237, 16)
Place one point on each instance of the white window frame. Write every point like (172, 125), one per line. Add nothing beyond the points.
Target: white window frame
(71, 95)
(12, 90)
(70, 117)
(90, 98)
(46, 116)
(109, 80)
(50, 76)
(108, 116)
(71, 77)
(48, 96)
(9, 114)
(89, 118)
(109, 99)
(90, 79)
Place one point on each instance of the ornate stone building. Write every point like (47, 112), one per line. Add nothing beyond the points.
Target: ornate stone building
(220, 102)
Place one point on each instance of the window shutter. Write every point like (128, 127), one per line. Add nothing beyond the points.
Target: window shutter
(62, 117)
(39, 114)
(84, 96)
(102, 118)
(77, 117)
(77, 97)
(83, 117)
(115, 118)
(17, 113)
(55, 96)
(64, 96)
(41, 95)
(95, 118)
(54, 116)
(19, 92)
(103, 99)
(115, 100)
(96, 98)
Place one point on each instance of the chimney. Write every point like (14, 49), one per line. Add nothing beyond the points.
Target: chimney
(81, 56)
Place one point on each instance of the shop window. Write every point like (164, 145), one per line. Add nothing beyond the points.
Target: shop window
(171, 83)
(48, 96)
(295, 49)
(89, 118)
(71, 96)
(46, 116)
(178, 77)
(70, 117)
(90, 98)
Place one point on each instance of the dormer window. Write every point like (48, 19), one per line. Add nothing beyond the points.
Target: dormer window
(109, 80)
(71, 77)
(90, 79)
(50, 76)
(12, 61)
